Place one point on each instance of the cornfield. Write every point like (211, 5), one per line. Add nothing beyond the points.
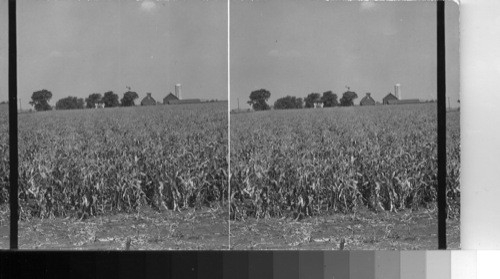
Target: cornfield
(313, 161)
(4, 153)
(90, 162)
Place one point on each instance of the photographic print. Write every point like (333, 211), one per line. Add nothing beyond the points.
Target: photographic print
(123, 125)
(334, 125)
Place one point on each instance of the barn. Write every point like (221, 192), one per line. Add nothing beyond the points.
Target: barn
(170, 97)
(388, 98)
(367, 100)
(148, 100)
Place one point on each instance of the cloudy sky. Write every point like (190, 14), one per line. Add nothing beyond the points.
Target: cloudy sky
(75, 48)
(297, 47)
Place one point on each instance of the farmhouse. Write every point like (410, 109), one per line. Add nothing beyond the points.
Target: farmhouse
(388, 98)
(318, 103)
(148, 100)
(170, 97)
(99, 105)
(367, 100)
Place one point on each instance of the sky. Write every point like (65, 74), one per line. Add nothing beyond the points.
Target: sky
(4, 51)
(75, 48)
(297, 47)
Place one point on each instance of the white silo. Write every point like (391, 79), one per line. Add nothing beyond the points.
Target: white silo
(178, 90)
(397, 91)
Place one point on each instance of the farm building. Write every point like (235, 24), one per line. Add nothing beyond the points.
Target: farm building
(367, 100)
(318, 103)
(388, 98)
(178, 90)
(175, 99)
(403, 102)
(148, 100)
(170, 97)
(397, 91)
(182, 102)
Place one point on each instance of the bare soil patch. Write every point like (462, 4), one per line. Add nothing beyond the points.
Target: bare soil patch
(203, 229)
(364, 230)
(207, 229)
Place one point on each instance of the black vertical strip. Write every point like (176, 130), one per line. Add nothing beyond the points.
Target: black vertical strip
(13, 151)
(441, 104)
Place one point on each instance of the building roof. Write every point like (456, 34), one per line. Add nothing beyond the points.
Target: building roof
(390, 96)
(170, 96)
(367, 100)
(148, 100)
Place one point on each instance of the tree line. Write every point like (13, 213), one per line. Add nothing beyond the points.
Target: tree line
(40, 100)
(258, 100)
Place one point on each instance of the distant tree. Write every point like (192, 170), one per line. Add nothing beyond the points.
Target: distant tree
(311, 98)
(93, 99)
(258, 99)
(329, 99)
(80, 103)
(110, 99)
(348, 98)
(70, 103)
(288, 102)
(40, 100)
(299, 103)
(128, 98)
(3, 102)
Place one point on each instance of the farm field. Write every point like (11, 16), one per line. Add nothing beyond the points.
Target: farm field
(363, 230)
(4, 175)
(127, 164)
(190, 229)
(346, 167)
